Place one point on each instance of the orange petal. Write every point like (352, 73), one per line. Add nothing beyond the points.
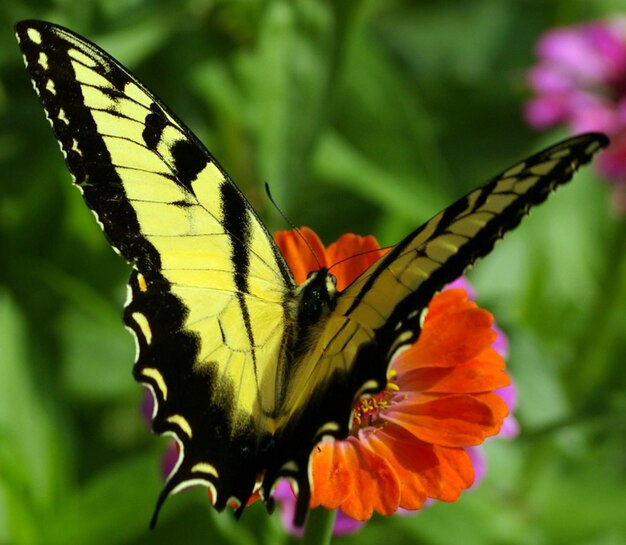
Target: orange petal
(449, 420)
(483, 373)
(354, 479)
(447, 300)
(457, 472)
(301, 257)
(352, 254)
(414, 462)
(331, 475)
(498, 406)
(456, 333)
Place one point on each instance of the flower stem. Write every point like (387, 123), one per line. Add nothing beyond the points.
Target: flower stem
(318, 529)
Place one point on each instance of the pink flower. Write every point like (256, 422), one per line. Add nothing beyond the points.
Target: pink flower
(580, 80)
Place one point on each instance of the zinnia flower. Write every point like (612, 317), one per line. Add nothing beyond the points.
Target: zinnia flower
(580, 80)
(408, 443)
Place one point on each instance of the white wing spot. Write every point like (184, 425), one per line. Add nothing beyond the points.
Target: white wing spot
(43, 60)
(205, 467)
(95, 215)
(34, 35)
(63, 117)
(50, 87)
(141, 282)
(327, 429)
(144, 326)
(136, 339)
(75, 147)
(423, 317)
(290, 465)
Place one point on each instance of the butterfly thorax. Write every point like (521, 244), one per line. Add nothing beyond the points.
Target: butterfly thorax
(309, 310)
(314, 300)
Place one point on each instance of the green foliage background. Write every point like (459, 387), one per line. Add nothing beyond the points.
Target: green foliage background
(364, 116)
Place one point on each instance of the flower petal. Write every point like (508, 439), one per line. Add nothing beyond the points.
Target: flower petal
(303, 250)
(331, 473)
(457, 472)
(455, 330)
(414, 462)
(449, 420)
(350, 476)
(350, 255)
(480, 374)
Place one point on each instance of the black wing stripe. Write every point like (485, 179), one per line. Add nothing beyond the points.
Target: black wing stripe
(237, 225)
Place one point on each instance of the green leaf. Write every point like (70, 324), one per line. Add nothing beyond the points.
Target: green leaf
(32, 457)
(112, 507)
(337, 162)
(98, 356)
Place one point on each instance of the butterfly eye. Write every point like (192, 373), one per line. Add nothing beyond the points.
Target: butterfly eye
(333, 279)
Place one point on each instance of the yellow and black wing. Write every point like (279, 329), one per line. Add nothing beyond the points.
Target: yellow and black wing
(381, 311)
(389, 296)
(208, 289)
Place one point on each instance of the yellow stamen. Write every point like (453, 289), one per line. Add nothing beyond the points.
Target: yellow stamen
(367, 409)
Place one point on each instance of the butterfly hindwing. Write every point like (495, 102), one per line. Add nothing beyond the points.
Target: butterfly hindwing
(207, 294)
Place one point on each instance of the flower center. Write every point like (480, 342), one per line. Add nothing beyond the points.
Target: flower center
(366, 410)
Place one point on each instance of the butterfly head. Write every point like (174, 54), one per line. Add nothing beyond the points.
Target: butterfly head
(316, 298)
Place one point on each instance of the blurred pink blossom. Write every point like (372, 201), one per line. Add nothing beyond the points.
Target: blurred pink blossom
(580, 80)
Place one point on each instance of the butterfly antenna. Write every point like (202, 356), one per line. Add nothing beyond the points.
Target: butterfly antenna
(290, 223)
(364, 252)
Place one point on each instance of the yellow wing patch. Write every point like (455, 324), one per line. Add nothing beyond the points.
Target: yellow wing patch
(185, 224)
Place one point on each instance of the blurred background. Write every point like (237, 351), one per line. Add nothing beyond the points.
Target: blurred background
(363, 116)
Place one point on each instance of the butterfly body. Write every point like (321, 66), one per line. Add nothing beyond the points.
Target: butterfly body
(248, 370)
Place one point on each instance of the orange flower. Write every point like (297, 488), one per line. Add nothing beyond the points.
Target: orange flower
(407, 442)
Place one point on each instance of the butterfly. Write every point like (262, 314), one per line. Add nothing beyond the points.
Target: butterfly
(249, 371)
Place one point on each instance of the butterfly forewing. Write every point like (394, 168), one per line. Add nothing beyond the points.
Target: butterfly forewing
(394, 290)
(209, 285)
